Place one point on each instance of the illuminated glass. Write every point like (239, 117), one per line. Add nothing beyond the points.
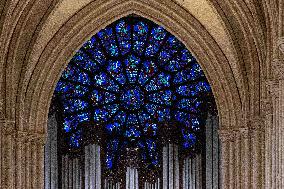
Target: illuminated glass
(131, 77)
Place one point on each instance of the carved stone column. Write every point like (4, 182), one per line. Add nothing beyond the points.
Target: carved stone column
(274, 168)
(227, 158)
(29, 155)
(268, 144)
(257, 150)
(244, 139)
(8, 169)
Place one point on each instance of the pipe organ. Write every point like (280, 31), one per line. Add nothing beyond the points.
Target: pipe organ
(177, 172)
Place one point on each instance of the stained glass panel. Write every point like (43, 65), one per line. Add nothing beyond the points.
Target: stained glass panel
(132, 77)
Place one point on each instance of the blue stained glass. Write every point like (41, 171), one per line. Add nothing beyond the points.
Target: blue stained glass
(181, 116)
(83, 117)
(169, 49)
(70, 89)
(155, 40)
(132, 98)
(148, 69)
(132, 119)
(185, 76)
(160, 113)
(120, 117)
(186, 57)
(175, 65)
(83, 61)
(123, 36)
(132, 65)
(112, 109)
(100, 114)
(202, 86)
(187, 90)
(74, 74)
(112, 147)
(113, 126)
(75, 139)
(115, 68)
(101, 97)
(162, 97)
(158, 82)
(140, 31)
(104, 81)
(144, 117)
(103, 114)
(109, 160)
(72, 105)
(132, 132)
(131, 76)
(72, 121)
(69, 123)
(95, 51)
(150, 129)
(107, 37)
(193, 123)
(195, 70)
(191, 105)
(189, 139)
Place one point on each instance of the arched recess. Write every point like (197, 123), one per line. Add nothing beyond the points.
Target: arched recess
(41, 75)
(96, 15)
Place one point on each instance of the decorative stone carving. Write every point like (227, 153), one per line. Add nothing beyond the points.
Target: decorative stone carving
(7, 127)
(227, 135)
(244, 132)
(280, 44)
(257, 124)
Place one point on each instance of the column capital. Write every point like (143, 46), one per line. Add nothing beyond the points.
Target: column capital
(267, 108)
(227, 135)
(25, 137)
(244, 132)
(280, 44)
(277, 70)
(257, 124)
(7, 127)
(272, 86)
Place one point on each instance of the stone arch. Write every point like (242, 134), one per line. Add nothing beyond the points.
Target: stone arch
(39, 87)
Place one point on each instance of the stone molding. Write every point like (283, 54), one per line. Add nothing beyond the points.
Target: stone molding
(267, 107)
(257, 124)
(27, 137)
(280, 44)
(227, 135)
(278, 69)
(8, 129)
(272, 85)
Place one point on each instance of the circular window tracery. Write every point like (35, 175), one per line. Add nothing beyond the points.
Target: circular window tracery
(132, 77)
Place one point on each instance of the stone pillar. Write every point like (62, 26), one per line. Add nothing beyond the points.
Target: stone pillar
(227, 138)
(257, 150)
(244, 144)
(30, 160)
(8, 169)
(274, 127)
(268, 143)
